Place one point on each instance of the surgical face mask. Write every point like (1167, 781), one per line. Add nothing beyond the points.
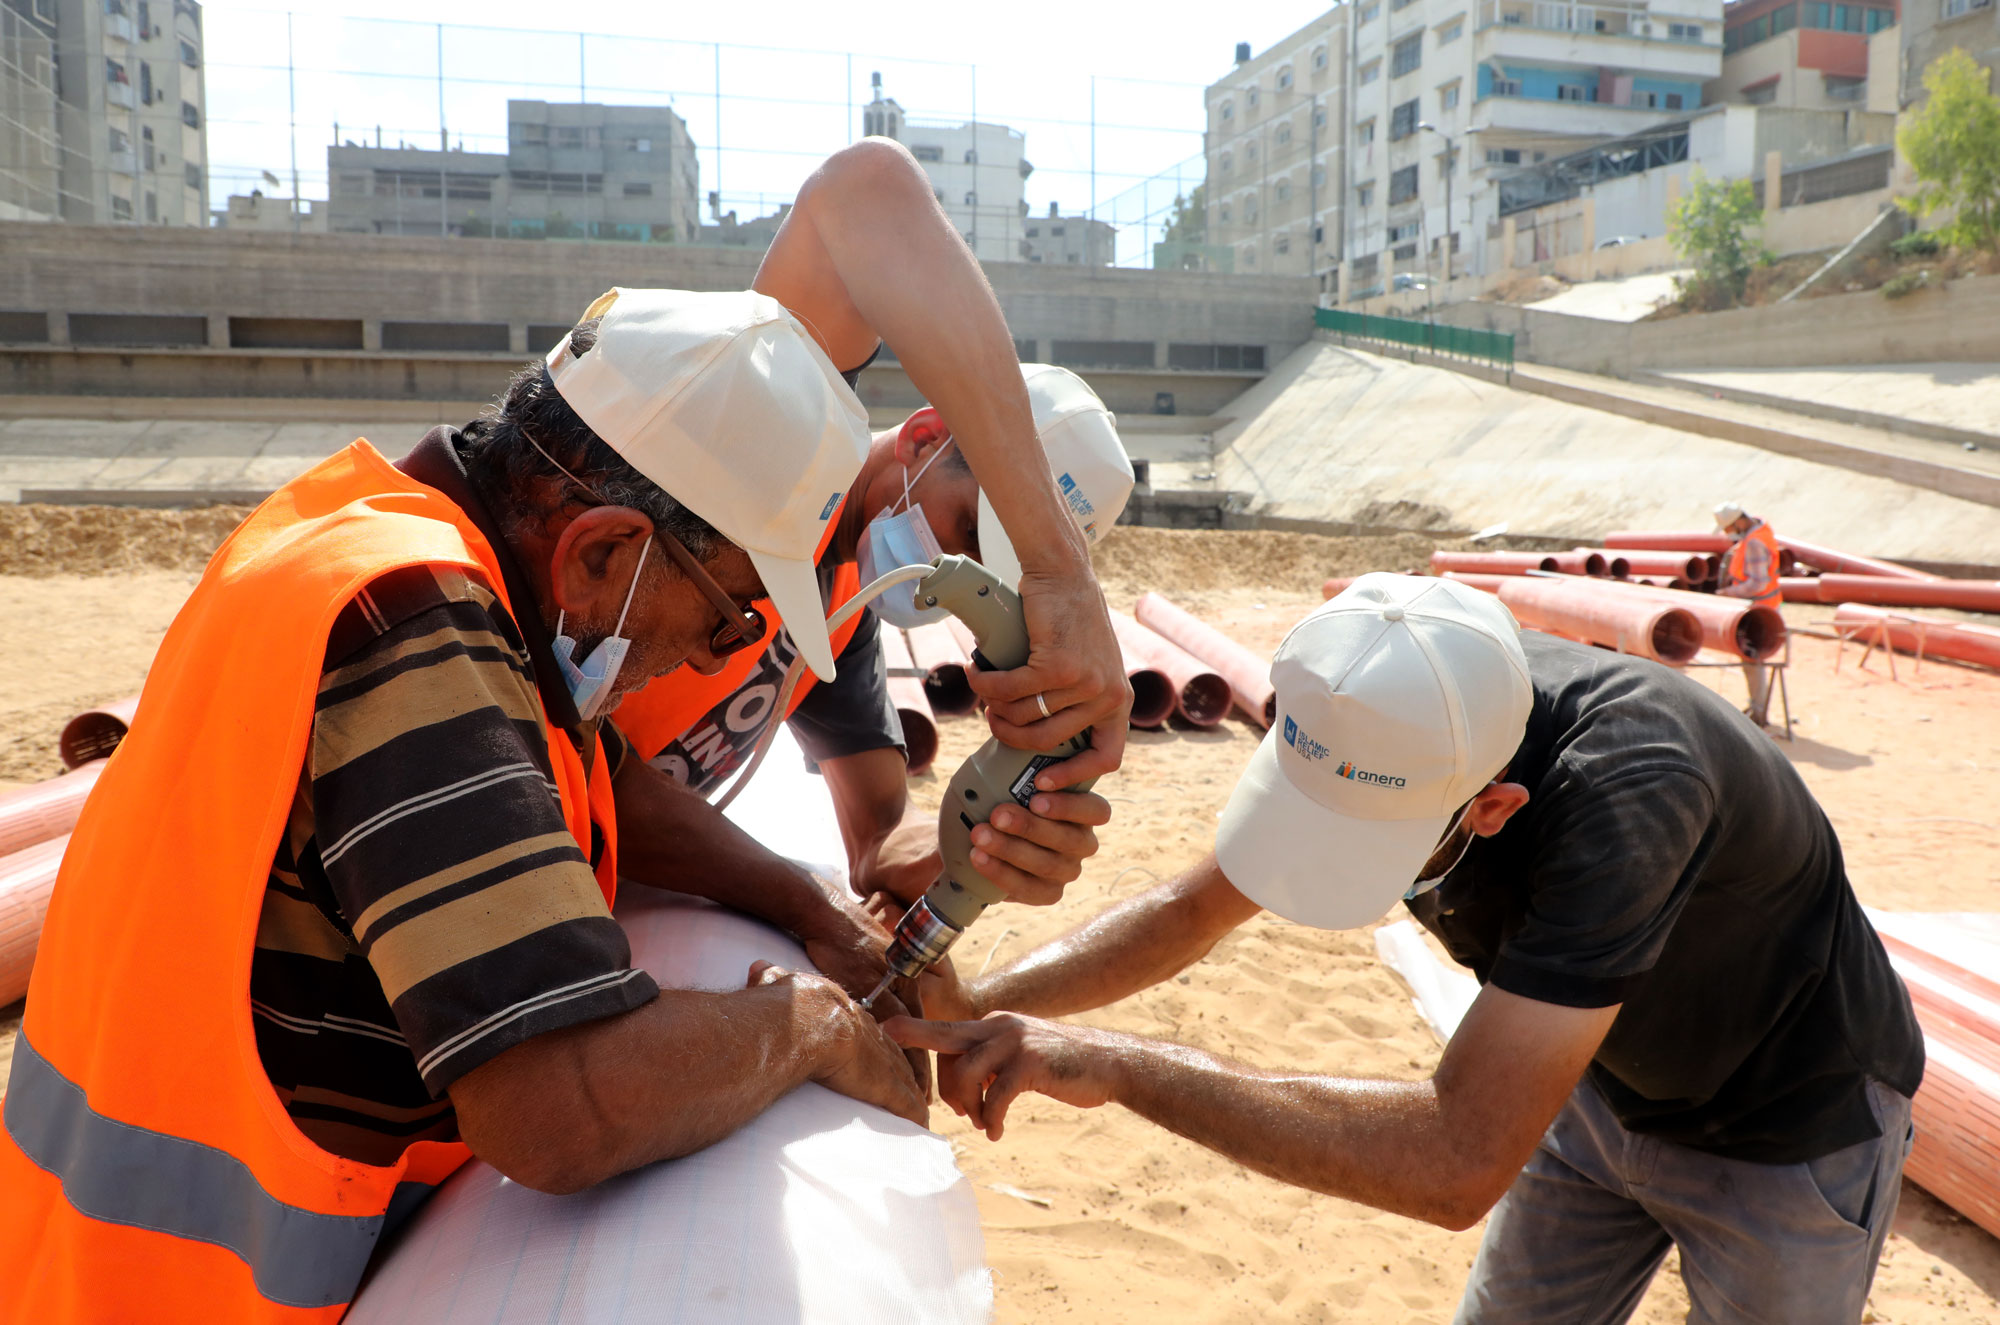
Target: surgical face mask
(895, 539)
(590, 680)
(1425, 884)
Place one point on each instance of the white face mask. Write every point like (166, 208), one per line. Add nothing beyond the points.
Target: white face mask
(895, 539)
(590, 681)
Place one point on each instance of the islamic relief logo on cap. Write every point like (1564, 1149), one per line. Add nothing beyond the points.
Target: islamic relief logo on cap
(827, 509)
(1307, 747)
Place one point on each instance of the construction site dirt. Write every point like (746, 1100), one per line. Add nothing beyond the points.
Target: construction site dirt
(1101, 1216)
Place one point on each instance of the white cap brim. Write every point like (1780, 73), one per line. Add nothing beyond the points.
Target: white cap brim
(793, 588)
(1296, 858)
(996, 550)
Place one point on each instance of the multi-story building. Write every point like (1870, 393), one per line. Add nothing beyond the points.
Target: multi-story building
(131, 121)
(1447, 96)
(1932, 27)
(30, 148)
(1276, 152)
(254, 211)
(977, 170)
(1801, 54)
(576, 170)
(1057, 238)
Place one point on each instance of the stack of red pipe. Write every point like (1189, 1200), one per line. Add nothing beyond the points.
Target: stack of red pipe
(1932, 637)
(34, 830)
(1248, 674)
(913, 705)
(1957, 1109)
(1199, 693)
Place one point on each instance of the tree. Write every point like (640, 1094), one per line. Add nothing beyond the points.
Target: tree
(1708, 227)
(1952, 142)
(1189, 220)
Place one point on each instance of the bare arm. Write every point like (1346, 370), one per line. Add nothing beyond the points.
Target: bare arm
(1442, 1150)
(867, 252)
(568, 1109)
(1138, 943)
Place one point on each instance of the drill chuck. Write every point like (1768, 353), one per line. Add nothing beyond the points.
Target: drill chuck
(922, 936)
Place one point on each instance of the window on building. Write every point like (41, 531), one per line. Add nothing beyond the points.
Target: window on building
(1249, 211)
(189, 55)
(1250, 151)
(1402, 185)
(1284, 133)
(1403, 252)
(638, 189)
(532, 135)
(1369, 12)
(1880, 18)
(1034, 232)
(1369, 72)
(1448, 97)
(1319, 177)
(1572, 92)
(1319, 57)
(1364, 132)
(1401, 233)
(1319, 117)
(1364, 194)
(145, 18)
(152, 205)
(971, 198)
(1406, 55)
(1223, 213)
(192, 173)
(121, 208)
(1281, 245)
(1403, 121)
(1451, 32)
(1683, 32)
(119, 140)
(1228, 162)
(1228, 110)
(1676, 101)
(638, 144)
(925, 153)
(1058, 231)
(1503, 156)
(145, 83)
(1284, 190)
(1250, 98)
(1506, 87)
(971, 156)
(146, 146)
(1761, 96)
(1284, 78)
(190, 116)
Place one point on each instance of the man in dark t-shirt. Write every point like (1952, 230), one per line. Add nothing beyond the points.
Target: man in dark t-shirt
(1688, 1033)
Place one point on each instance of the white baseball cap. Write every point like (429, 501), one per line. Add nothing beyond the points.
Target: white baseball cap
(1092, 473)
(729, 405)
(1398, 701)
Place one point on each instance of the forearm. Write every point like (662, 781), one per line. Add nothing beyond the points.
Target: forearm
(664, 1080)
(1138, 943)
(1387, 1144)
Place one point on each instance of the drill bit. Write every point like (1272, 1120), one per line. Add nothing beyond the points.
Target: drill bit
(868, 1003)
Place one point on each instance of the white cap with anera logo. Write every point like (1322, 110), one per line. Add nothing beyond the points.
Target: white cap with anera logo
(1093, 475)
(728, 404)
(1398, 701)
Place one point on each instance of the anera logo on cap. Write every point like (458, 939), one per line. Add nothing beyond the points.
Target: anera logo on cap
(827, 509)
(1352, 774)
(1303, 743)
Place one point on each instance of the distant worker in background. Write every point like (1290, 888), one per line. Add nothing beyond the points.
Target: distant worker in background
(1751, 571)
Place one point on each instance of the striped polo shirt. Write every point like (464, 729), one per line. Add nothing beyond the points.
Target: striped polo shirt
(427, 907)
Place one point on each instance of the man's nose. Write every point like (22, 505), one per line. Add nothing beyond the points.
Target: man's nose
(704, 660)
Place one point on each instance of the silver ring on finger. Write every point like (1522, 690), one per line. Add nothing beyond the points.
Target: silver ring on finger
(1043, 704)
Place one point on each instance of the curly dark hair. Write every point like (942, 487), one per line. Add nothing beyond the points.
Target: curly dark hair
(504, 456)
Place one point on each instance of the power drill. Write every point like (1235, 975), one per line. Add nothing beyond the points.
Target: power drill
(994, 774)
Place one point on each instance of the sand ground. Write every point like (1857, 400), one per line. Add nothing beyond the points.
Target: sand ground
(1099, 1216)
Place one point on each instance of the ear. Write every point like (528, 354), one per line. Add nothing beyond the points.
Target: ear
(921, 433)
(1492, 808)
(595, 558)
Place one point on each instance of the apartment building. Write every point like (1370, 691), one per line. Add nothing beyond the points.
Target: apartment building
(1932, 27)
(131, 115)
(977, 170)
(30, 149)
(576, 170)
(1802, 54)
(1276, 153)
(1449, 96)
(1056, 238)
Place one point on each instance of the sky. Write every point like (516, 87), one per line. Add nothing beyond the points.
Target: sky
(793, 78)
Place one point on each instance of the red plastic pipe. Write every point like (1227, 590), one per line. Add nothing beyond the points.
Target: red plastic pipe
(1732, 625)
(1934, 637)
(913, 707)
(1598, 613)
(1201, 695)
(1966, 595)
(1248, 675)
(1689, 566)
(1578, 561)
(1660, 581)
(1490, 563)
(1152, 692)
(47, 809)
(1799, 588)
(1692, 540)
(1846, 563)
(943, 661)
(26, 880)
(95, 733)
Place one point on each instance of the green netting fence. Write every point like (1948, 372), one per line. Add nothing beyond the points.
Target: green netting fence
(1464, 342)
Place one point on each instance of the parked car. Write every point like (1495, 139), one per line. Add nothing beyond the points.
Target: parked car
(1617, 241)
(1409, 280)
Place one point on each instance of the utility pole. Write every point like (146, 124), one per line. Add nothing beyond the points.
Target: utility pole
(444, 145)
(1093, 147)
(718, 123)
(1450, 168)
(292, 111)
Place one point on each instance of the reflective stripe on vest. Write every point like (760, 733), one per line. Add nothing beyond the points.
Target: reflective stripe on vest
(131, 1175)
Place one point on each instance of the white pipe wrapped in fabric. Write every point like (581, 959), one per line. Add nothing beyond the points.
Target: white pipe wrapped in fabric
(821, 1209)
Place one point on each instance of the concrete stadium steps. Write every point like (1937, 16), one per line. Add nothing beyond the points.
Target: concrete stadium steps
(1344, 437)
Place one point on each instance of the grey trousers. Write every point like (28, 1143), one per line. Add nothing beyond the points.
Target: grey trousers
(1757, 677)
(1578, 1236)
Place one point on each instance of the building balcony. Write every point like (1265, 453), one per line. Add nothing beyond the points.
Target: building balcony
(121, 161)
(1537, 115)
(118, 27)
(1524, 43)
(119, 94)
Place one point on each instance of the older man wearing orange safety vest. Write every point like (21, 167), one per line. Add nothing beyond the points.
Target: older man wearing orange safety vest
(336, 917)
(1751, 571)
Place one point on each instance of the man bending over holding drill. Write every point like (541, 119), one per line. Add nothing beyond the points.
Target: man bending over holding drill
(1687, 1034)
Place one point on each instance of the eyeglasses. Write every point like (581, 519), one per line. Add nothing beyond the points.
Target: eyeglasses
(741, 627)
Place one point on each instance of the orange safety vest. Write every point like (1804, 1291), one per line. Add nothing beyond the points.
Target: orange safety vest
(670, 706)
(1768, 592)
(148, 1170)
